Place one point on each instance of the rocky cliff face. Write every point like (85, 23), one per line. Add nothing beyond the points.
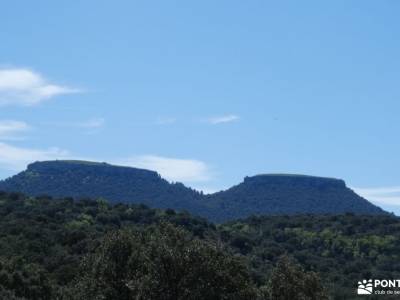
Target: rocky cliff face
(295, 180)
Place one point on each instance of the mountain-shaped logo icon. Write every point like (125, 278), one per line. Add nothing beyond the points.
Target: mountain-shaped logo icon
(365, 287)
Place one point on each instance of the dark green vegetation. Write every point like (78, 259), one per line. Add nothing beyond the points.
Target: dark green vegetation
(289, 281)
(262, 194)
(162, 262)
(341, 248)
(62, 249)
(79, 179)
(288, 194)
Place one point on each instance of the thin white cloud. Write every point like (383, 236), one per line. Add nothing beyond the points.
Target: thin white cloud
(16, 158)
(26, 87)
(223, 119)
(173, 169)
(92, 123)
(381, 195)
(9, 129)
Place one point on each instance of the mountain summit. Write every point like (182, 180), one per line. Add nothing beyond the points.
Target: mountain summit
(275, 194)
(269, 194)
(81, 179)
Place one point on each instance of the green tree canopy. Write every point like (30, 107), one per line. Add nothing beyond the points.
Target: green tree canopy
(162, 262)
(289, 281)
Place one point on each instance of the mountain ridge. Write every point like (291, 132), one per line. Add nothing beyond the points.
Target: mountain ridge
(268, 194)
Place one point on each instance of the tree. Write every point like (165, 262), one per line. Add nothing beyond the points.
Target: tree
(289, 281)
(162, 262)
(9, 295)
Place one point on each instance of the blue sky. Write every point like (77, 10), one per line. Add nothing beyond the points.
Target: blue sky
(206, 92)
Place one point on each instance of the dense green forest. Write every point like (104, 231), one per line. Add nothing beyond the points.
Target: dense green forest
(257, 195)
(90, 249)
(79, 179)
(279, 194)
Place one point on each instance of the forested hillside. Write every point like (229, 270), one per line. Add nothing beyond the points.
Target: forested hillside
(262, 195)
(66, 249)
(277, 194)
(80, 179)
(341, 248)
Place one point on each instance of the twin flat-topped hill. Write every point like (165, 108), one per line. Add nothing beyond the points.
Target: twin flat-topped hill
(267, 194)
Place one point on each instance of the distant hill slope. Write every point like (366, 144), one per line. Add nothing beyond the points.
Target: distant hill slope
(80, 179)
(258, 195)
(276, 194)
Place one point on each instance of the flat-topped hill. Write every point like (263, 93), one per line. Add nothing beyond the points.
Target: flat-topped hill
(275, 194)
(266, 194)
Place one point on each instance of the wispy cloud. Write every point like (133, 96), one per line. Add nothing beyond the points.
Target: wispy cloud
(91, 125)
(10, 129)
(222, 119)
(16, 158)
(25, 87)
(381, 195)
(173, 169)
